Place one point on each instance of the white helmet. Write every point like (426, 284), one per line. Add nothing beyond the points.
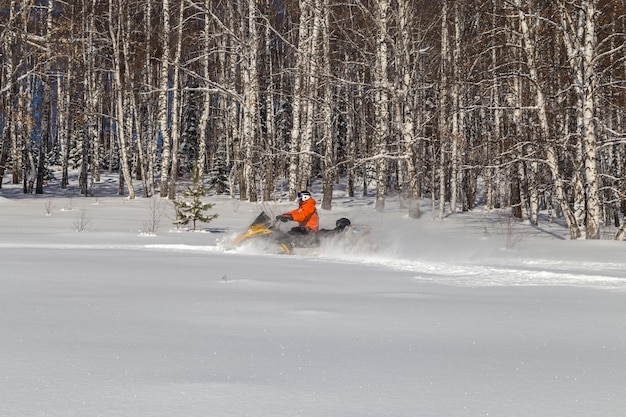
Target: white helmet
(304, 195)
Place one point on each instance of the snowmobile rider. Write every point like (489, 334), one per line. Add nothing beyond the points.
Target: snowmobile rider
(305, 215)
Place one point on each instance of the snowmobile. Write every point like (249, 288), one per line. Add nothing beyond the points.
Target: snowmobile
(268, 234)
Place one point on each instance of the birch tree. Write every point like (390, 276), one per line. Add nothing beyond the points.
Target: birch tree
(92, 96)
(163, 99)
(381, 118)
(116, 29)
(133, 113)
(148, 116)
(270, 114)
(456, 119)
(551, 148)
(250, 101)
(7, 81)
(22, 73)
(526, 96)
(443, 129)
(311, 87)
(329, 159)
(176, 103)
(229, 60)
(299, 73)
(206, 97)
(579, 36)
(406, 93)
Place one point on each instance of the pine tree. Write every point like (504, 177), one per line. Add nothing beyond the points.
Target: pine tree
(190, 208)
(76, 150)
(217, 174)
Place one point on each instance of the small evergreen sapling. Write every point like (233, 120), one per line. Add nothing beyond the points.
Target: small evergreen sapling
(190, 208)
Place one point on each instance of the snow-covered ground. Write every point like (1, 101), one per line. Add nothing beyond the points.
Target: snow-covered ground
(421, 318)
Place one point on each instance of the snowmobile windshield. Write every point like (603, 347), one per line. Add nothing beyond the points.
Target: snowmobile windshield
(262, 219)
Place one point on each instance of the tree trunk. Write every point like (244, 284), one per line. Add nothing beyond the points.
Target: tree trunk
(444, 131)
(456, 121)
(133, 116)
(580, 41)
(295, 143)
(63, 131)
(313, 71)
(530, 48)
(589, 87)
(250, 102)
(176, 103)
(270, 118)
(121, 127)
(148, 119)
(328, 166)
(381, 121)
(162, 113)
(407, 106)
(205, 112)
(8, 84)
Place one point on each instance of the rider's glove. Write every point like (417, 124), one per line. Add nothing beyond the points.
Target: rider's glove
(284, 217)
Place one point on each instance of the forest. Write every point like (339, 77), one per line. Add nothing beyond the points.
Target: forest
(516, 104)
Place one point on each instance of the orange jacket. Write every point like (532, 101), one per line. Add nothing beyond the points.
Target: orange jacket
(306, 215)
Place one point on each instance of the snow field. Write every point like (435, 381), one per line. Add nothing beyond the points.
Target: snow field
(433, 319)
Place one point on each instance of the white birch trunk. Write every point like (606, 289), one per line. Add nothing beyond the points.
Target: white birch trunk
(443, 109)
(131, 115)
(329, 169)
(594, 210)
(250, 104)
(13, 47)
(206, 96)
(494, 137)
(572, 33)
(270, 122)
(10, 41)
(7, 44)
(551, 149)
(162, 113)
(233, 127)
(296, 132)
(176, 104)
(456, 119)
(93, 98)
(122, 133)
(580, 42)
(306, 142)
(406, 106)
(351, 137)
(381, 124)
(151, 141)
(6, 137)
(530, 48)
